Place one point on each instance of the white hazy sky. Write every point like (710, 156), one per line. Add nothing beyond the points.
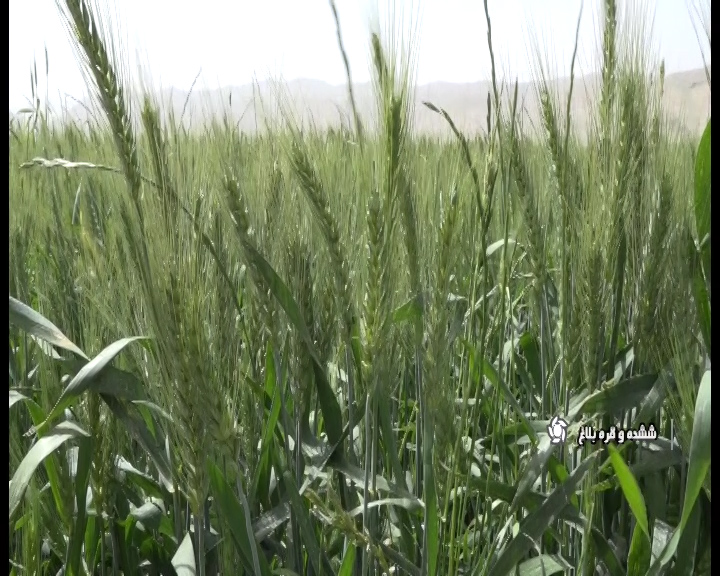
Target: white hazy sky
(230, 42)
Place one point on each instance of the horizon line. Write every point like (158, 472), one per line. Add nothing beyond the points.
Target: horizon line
(137, 86)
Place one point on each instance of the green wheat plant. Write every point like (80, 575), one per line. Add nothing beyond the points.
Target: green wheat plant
(306, 352)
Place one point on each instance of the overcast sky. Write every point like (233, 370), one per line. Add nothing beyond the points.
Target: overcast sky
(230, 42)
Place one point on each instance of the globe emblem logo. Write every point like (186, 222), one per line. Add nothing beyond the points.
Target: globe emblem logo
(557, 430)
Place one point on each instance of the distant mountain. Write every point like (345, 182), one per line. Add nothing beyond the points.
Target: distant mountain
(686, 100)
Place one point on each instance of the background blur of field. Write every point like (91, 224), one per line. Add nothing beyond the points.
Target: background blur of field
(446, 297)
(686, 102)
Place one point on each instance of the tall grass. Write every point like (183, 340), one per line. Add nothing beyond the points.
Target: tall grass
(352, 343)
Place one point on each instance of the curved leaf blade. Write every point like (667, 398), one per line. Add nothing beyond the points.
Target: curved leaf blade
(703, 164)
(35, 324)
(43, 448)
(534, 525)
(184, 559)
(698, 468)
(88, 376)
(631, 489)
(238, 521)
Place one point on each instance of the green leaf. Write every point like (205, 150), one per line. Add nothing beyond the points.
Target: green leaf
(184, 559)
(262, 474)
(332, 415)
(534, 525)
(389, 440)
(604, 552)
(92, 538)
(266, 275)
(624, 395)
(357, 476)
(113, 381)
(650, 406)
(44, 446)
(545, 565)
(318, 559)
(702, 297)
(495, 246)
(699, 465)
(689, 542)
(38, 415)
(703, 163)
(531, 501)
(149, 514)
(408, 312)
(35, 324)
(137, 427)
(270, 521)
(404, 503)
(431, 540)
(544, 452)
(655, 461)
(237, 518)
(146, 483)
(530, 354)
(82, 481)
(87, 377)
(15, 397)
(631, 489)
(640, 553)
(700, 453)
(348, 563)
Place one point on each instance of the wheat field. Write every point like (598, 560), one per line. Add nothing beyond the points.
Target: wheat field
(308, 352)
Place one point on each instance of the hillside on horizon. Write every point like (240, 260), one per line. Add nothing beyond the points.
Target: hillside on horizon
(686, 100)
